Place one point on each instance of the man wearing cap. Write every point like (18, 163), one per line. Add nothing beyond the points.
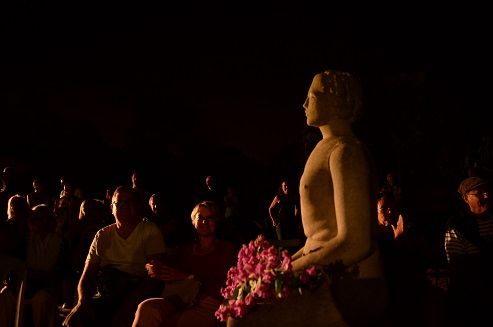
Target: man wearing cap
(469, 251)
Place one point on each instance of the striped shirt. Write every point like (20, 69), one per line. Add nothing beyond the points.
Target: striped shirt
(457, 244)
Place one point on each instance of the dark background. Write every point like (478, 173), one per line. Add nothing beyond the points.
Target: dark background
(95, 91)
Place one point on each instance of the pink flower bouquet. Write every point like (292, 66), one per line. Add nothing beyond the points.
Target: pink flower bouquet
(262, 275)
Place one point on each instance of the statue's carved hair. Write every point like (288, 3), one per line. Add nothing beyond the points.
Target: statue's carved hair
(347, 87)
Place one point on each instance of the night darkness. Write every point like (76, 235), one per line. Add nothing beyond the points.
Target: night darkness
(97, 91)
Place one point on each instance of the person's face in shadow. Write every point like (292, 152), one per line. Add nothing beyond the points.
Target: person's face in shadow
(385, 212)
(38, 186)
(210, 183)
(478, 200)
(123, 208)
(285, 187)
(390, 179)
(155, 205)
(204, 221)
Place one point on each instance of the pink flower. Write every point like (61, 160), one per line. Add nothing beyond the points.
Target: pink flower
(240, 308)
(249, 300)
(262, 274)
(312, 271)
(286, 261)
(304, 278)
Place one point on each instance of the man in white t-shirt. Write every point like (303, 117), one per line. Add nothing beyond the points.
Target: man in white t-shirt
(117, 257)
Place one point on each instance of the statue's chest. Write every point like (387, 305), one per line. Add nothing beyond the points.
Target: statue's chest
(316, 174)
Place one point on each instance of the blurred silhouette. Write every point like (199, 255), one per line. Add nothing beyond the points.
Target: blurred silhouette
(284, 213)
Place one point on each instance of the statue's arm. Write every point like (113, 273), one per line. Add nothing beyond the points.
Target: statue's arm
(298, 254)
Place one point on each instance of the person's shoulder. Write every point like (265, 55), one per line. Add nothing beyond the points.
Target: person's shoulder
(147, 221)
(106, 229)
(105, 233)
(464, 225)
(147, 224)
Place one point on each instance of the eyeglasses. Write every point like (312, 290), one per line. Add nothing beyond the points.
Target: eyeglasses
(121, 203)
(204, 219)
(384, 209)
(474, 194)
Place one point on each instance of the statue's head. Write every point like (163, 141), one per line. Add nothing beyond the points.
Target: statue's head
(333, 94)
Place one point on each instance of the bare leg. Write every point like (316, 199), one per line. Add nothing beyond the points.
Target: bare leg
(7, 307)
(201, 314)
(153, 313)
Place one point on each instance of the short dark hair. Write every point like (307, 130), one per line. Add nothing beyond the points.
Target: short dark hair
(134, 198)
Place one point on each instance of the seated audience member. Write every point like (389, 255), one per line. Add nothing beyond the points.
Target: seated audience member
(391, 222)
(163, 216)
(139, 184)
(115, 266)
(39, 195)
(43, 254)
(212, 191)
(469, 251)
(14, 231)
(393, 186)
(93, 215)
(402, 255)
(206, 261)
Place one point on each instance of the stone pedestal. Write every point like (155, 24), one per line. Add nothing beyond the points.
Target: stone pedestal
(313, 308)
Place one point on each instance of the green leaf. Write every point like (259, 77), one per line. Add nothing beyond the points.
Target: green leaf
(278, 283)
(236, 293)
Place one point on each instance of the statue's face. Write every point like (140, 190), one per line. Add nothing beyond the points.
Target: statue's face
(330, 96)
(318, 104)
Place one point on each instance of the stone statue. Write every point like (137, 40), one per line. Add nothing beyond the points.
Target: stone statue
(338, 196)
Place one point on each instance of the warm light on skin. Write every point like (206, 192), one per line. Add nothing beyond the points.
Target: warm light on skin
(154, 204)
(478, 201)
(384, 213)
(285, 187)
(204, 221)
(122, 208)
(37, 186)
(135, 180)
(209, 182)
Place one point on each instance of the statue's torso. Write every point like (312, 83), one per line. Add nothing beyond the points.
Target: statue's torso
(316, 191)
